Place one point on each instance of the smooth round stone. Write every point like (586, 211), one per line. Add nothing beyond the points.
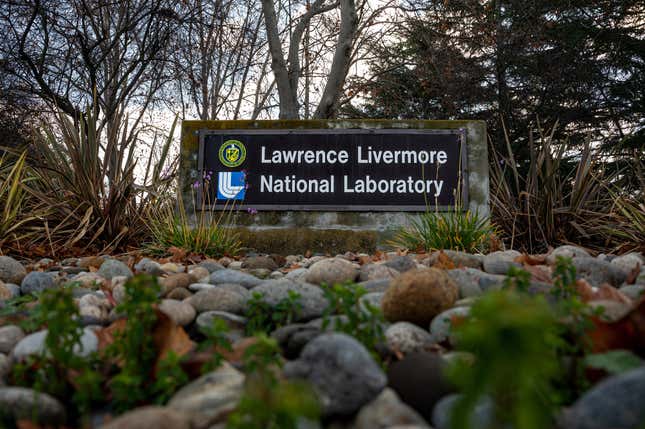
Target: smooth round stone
(151, 417)
(196, 287)
(35, 344)
(441, 325)
(11, 271)
(379, 285)
(88, 280)
(500, 262)
(341, 371)
(566, 251)
(297, 275)
(10, 335)
(631, 262)
(14, 289)
(182, 313)
(5, 368)
(179, 294)
(198, 274)
(235, 323)
(388, 411)
(376, 272)
(331, 271)
(235, 265)
(261, 273)
(482, 416)
(236, 277)
(292, 338)
(467, 283)
(174, 281)
(312, 298)
(406, 337)
(27, 404)
(94, 300)
(113, 268)
(598, 272)
(401, 263)
(265, 262)
(148, 266)
(93, 315)
(275, 275)
(211, 265)
(635, 292)
(172, 268)
(219, 299)
(373, 298)
(37, 281)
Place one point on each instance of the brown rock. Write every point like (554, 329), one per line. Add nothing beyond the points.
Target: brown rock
(5, 293)
(179, 294)
(417, 296)
(174, 281)
(90, 262)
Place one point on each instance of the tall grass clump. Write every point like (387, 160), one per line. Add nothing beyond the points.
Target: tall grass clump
(14, 217)
(85, 180)
(455, 230)
(563, 194)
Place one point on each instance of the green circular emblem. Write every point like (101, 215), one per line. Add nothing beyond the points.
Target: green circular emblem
(232, 153)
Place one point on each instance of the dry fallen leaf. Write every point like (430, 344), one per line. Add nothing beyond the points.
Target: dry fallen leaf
(626, 333)
(178, 255)
(444, 262)
(604, 292)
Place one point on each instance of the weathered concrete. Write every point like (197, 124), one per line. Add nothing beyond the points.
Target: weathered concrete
(384, 223)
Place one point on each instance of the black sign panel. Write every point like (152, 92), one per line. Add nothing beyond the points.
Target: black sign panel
(358, 170)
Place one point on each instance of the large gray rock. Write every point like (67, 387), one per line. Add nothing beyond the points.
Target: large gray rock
(472, 282)
(114, 268)
(386, 411)
(630, 262)
(182, 313)
(220, 299)
(341, 371)
(500, 262)
(616, 402)
(212, 395)
(235, 323)
(401, 263)
(9, 337)
(376, 272)
(406, 337)
(148, 266)
(312, 299)
(299, 274)
(597, 272)
(294, 337)
(11, 271)
(35, 344)
(211, 265)
(331, 271)
(379, 285)
(635, 292)
(441, 325)
(37, 281)
(151, 417)
(20, 403)
(234, 276)
(566, 251)
(255, 262)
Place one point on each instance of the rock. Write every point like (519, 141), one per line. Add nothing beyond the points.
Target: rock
(379, 285)
(95, 300)
(182, 313)
(274, 275)
(231, 276)
(417, 296)
(112, 268)
(5, 368)
(294, 337)
(235, 265)
(387, 410)
(463, 259)
(179, 294)
(481, 417)
(173, 281)
(375, 299)
(211, 265)
(171, 267)
(616, 402)
(37, 281)
(468, 285)
(261, 273)
(401, 263)
(213, 395)
(88, 280)
(376, 271)
(35, 344)
(441, 325)
(5, 292)
(219, 299)
(150, 416)
(11, 271)
(598, 272)
(500, 262)
(611, 311)
(331, 271)
(265, 262)
(148, 266)
(9, 337)
(198, 274)
(235, 323)
(196, 287)
(419, 381)
(631, 262)
(93, 315)
(566, 251)
(312, 299)
(406, 338)
(341, 371)
(20, 403)
(634, 292)
(90, 262)
(225, 261)
(13, 289)
(297, 275)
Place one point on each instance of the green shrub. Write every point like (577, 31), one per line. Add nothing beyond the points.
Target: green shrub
(269, 402)
(454, 230)
(512, 336)
(263, 317)
(13, 214)
(361, 320)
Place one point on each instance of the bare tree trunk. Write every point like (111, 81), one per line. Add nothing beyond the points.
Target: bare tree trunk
(342, 60)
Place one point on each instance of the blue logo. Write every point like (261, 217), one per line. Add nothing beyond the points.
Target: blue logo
(230, 185)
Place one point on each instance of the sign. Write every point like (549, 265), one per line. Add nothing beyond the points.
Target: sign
(334, 169)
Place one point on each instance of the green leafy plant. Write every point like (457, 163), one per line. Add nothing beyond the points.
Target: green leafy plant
(455, 230)
(614, 361)
(517, 279)
(216, 340)
(268, 401)
(358, 318)
(263, 317)
(50, 371)
(512, 337)
(133, 346)
(169, 378)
